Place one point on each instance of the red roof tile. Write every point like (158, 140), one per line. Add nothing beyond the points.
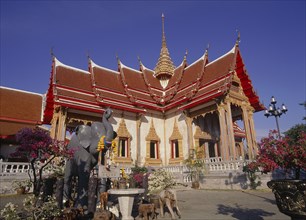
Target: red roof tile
(19, 109)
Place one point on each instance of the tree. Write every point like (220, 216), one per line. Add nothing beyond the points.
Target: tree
(37, 145)
(287, 153)
(295, 132)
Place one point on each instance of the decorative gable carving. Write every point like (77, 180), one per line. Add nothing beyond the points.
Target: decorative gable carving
(122, 130)
(176, 135)
(152, 135)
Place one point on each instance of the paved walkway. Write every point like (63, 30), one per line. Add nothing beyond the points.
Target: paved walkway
(228, 204)
(215, 204)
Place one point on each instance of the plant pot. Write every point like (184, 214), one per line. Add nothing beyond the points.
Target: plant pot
(132, 184)
(122, 184)
(20, 190)
(290, 197)
(195, 185)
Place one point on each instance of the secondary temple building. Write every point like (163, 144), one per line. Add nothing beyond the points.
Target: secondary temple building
(161, 115)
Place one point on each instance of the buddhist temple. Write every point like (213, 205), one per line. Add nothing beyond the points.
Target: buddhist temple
(161, 115)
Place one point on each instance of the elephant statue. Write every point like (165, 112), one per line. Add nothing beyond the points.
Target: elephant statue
(84, 142)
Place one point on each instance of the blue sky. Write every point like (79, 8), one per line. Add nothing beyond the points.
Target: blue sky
(272, 41)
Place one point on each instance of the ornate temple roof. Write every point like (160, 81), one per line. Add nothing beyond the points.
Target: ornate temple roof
(162, 89)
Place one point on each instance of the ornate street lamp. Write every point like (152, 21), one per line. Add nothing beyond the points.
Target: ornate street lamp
(276, 112)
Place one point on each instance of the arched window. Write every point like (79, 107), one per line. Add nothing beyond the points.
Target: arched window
(123, 141)
(152, 148)
(176, 145)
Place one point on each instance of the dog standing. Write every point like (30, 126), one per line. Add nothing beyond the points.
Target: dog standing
(146, 210)
(103, 200)
(168, 197)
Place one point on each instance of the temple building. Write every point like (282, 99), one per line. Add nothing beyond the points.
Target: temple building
(161, 115)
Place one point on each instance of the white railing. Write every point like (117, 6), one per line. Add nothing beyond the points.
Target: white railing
(14, 168)
(181, 171)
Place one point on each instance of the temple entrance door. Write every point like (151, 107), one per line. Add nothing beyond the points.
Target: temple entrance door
(211, 149)
(202, 152)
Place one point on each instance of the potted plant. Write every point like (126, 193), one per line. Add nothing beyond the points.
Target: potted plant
(286, 154)
(21, 186)
(137, 177)
(196, 167)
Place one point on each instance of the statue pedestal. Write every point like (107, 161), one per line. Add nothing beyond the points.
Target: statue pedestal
(126, 200)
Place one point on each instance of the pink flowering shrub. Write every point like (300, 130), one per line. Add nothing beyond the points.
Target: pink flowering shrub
(137, 176)
(37, 145)
(281, 153)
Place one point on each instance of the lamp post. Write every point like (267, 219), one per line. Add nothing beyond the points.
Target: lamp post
(276, 112)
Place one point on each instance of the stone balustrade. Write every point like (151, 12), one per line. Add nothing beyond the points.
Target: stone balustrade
(212, 165)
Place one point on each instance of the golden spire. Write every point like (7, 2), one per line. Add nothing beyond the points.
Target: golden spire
(164, 68)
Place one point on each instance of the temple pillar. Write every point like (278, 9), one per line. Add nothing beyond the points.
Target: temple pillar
(223, 133)
(188, 121)
(206, 147)
(138, 152)
(248, 132)
(230, 127)
(61, 131)
(253, 133)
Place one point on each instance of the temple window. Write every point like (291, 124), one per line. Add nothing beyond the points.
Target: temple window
(175, 151)
(154, 150)
(123, 141)
(152, 147)
(176, 145)
(123, 147)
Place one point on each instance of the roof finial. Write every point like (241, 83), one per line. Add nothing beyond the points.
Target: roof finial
(140, 63)
(186, 53)
(118, 60)
(163, 31)
(87, 54)
(207, 48)
(238, 37)
(51, 51)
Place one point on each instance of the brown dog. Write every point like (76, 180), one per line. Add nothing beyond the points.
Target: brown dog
(168, 197)
(147, 210)
(104, 215)
(69, 214)
(103, 200)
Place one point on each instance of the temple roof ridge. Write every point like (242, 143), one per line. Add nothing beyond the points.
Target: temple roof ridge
(233, 50)
(129, 68)
(20, 90)
(201, 58)
(58, 63)
(93, 64)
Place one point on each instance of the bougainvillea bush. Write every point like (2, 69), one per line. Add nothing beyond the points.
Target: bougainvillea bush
(281, 152)
(137, 176)
(40, 149)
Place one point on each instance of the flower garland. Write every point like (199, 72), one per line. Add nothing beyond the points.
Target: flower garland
(101, 144)
(110, 154)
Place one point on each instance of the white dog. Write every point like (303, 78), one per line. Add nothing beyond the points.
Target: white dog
(168, 197)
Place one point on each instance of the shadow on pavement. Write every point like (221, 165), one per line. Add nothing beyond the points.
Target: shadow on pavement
(241, 213)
